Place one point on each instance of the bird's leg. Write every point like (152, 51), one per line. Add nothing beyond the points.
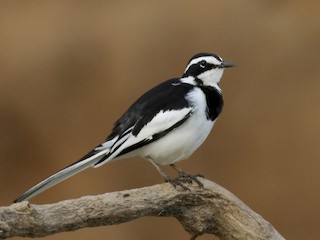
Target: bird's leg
(186, 176)
(175, 182)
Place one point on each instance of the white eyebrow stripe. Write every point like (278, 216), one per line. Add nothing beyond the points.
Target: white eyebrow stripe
(208, 59)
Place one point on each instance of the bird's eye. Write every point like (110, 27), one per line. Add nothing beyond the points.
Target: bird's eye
(203, 64)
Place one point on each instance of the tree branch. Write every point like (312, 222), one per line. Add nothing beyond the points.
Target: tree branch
(211, 209)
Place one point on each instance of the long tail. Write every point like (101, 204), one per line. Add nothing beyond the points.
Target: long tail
(87, 161)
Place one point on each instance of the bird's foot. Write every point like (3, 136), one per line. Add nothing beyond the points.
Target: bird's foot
(177, 182)
(188, 178)
(181, 180)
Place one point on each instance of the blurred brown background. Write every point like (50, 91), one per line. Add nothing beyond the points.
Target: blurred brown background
(70, 69)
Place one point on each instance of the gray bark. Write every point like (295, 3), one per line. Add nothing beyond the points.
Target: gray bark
(211, 210)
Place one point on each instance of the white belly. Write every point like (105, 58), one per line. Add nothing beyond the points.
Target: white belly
(181, 142)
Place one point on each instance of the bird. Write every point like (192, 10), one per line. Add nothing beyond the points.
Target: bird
(165, 125)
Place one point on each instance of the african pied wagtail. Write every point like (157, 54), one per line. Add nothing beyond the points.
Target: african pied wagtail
(165, 125)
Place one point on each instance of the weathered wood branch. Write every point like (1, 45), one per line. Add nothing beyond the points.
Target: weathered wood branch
(211, 209)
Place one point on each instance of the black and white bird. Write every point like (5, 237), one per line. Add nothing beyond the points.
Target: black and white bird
(165, 125)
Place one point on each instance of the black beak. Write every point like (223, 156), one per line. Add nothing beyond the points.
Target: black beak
(227, 64)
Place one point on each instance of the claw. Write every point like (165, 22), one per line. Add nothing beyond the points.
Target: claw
(177, 182)
(188, 178)
(184, 178)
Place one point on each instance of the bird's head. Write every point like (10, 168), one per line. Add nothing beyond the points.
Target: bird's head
(206, 69)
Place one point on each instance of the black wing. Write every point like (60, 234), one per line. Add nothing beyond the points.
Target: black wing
(168, 95)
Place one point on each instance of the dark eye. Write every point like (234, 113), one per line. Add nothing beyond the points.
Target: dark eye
(203, 64)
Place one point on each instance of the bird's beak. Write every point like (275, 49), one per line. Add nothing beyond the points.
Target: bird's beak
(227, 64)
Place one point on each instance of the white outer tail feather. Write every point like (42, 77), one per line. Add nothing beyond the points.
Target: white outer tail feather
(62, 175)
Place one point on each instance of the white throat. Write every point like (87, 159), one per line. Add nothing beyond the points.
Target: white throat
(212, 77)
(209, 78)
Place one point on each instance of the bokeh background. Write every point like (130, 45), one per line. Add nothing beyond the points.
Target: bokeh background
(69, 69)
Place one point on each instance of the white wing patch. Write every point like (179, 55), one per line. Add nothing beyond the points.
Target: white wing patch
(161, 122)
